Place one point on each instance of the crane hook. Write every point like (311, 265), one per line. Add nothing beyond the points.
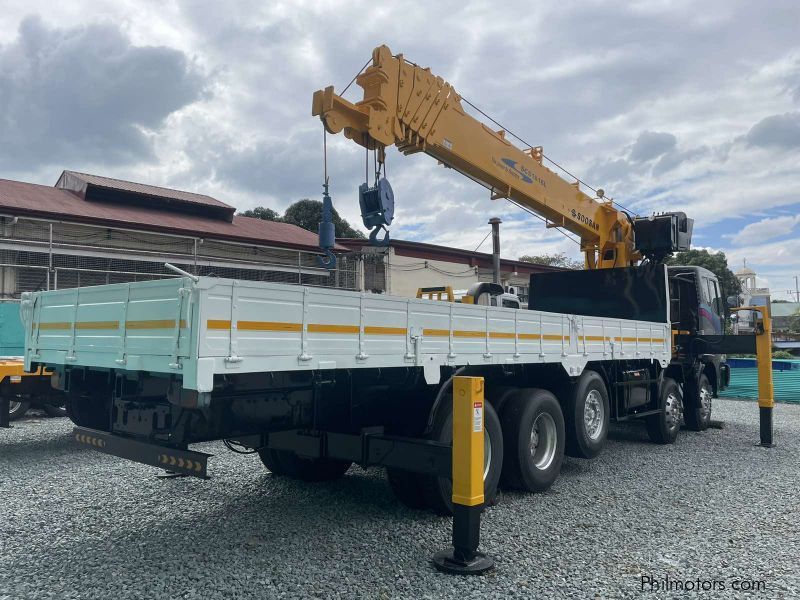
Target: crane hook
(377, 209)
(327, 231)
(373, 236)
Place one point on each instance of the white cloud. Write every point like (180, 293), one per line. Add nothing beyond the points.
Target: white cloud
(652, 144)
(765, 230)
(583, 79)
(778, 131)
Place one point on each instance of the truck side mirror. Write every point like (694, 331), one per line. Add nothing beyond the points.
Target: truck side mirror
(733, 301)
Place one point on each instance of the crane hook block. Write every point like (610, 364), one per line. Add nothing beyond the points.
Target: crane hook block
(377, 209)
(327, 232)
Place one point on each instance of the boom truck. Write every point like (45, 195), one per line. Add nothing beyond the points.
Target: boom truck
(316, 379)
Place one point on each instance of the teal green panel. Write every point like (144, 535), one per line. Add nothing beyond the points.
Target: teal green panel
(12, 334)
(785, 379)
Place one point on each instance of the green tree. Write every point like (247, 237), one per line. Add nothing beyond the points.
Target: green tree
(794, 323)
(558, 259)
(717, 263)
(262, 212)
(308, 213)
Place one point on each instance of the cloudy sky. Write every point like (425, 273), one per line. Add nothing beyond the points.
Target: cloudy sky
(665, 104)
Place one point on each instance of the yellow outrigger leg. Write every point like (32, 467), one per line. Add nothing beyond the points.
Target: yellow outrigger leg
(766, 391)
(468, 466)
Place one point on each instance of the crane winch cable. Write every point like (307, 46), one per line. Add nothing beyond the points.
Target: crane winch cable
(550, 160)
(495, 122)
(529, 145)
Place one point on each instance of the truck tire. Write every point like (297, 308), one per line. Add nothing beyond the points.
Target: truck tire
(533, 430)
(306, 469)
(17, 409)
(498, 395)
(663, 427)
(588, 415)
(53, 410)
(268, 458)
(697, 404)
(438, 491)
(407, 488)
(91, 411)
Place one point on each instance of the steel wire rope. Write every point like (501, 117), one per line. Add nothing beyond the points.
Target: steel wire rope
(529, 145)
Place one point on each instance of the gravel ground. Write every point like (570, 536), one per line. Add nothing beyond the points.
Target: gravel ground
(79, 524)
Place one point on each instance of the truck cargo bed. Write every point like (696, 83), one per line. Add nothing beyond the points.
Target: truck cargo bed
(199, 329)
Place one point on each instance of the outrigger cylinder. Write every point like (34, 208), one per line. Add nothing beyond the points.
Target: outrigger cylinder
(468, 463)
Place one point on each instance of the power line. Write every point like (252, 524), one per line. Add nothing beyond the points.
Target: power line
(483, 240)
(526, 209)
(521, 140)
(551, 161)
(491, 189)
(528, 144)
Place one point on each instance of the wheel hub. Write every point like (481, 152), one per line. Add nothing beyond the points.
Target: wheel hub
(673, 412)
(543, 441)
(487, 454)
(705, 402)
(593, 415)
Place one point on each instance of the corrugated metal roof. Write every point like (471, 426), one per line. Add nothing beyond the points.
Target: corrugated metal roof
(26, 199)
(147, 190)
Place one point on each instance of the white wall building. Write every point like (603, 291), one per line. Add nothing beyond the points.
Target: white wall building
(403, 267)
(752, 295)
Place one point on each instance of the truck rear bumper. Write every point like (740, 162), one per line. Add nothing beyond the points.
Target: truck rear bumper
(185, 462)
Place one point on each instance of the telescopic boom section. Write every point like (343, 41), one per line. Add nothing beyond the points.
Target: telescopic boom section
(406, 106)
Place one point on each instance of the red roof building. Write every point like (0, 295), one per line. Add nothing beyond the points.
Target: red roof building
(89, 230)
(90, 199)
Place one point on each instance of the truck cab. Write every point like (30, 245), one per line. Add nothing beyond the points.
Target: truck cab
(697, 308)
(696, 301)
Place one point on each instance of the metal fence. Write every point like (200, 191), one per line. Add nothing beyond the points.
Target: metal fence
(39, 255)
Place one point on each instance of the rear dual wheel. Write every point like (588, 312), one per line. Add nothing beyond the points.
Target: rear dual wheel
(285, 462)
(17, 409)
(524, 450)
(436, 493)
(406, 486)
(89, 410)
(54, 410)
(533, 432)
(588, 416)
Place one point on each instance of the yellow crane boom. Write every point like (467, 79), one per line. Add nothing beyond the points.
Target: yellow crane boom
(407, 106)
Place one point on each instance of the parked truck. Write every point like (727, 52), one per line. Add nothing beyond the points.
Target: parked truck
(20, 390)
(316, 379)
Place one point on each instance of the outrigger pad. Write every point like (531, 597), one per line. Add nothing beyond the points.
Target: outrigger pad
(446, 561)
